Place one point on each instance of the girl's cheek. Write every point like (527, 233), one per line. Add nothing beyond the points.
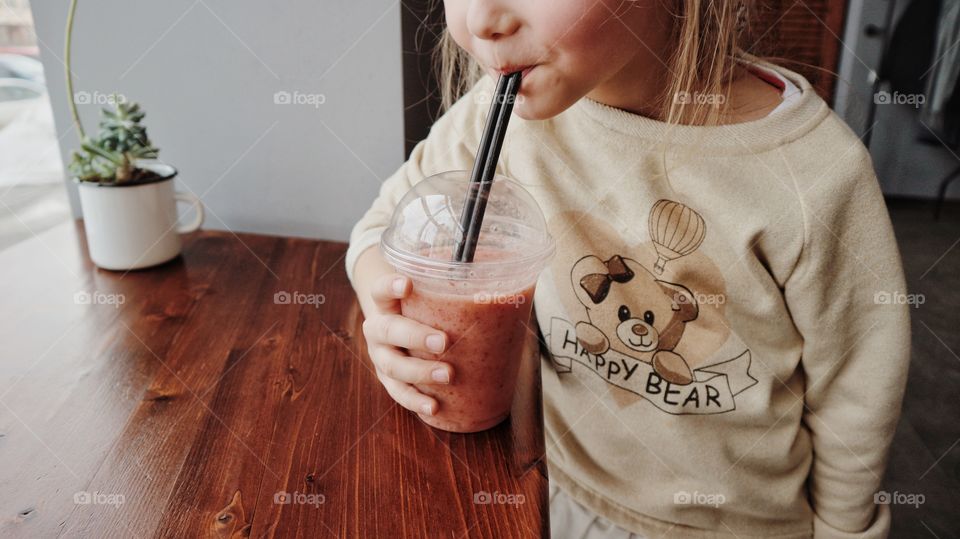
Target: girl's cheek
(455, 13)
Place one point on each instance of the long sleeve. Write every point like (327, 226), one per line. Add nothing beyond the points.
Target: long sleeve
(450, 145)
(847, 297)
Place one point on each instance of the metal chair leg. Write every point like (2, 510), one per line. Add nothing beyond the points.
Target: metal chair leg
(942, 195)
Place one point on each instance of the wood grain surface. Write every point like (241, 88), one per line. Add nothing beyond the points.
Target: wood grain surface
(191, 400)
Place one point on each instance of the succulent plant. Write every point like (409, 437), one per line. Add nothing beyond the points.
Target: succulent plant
(111, 156)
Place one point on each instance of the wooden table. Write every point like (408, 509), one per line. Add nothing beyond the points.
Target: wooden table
(191, 400)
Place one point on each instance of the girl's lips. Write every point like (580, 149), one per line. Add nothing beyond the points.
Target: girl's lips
(513, 69)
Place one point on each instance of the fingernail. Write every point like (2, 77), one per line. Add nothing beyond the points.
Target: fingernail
(440, 375)
(427, 409)
(399, 285)
(435, 342)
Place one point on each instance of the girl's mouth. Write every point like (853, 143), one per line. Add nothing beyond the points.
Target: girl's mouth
(525, 70)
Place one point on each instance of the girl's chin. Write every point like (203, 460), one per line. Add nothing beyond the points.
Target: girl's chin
(540, 107)
(524, 110)
(521, 115)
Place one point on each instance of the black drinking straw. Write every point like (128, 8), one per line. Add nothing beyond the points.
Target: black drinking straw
(484, 167)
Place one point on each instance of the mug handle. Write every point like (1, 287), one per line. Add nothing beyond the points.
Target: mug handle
(191, 199)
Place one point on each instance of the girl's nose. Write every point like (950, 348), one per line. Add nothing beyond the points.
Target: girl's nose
(488, 19)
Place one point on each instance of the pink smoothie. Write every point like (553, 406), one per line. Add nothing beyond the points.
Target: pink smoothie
(487, 333)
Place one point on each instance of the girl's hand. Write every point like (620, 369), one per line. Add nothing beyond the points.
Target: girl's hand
(390, 335)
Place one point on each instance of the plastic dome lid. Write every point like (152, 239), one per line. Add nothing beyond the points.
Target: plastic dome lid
(425, 227)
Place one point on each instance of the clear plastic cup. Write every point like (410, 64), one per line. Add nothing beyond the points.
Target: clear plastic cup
(483, 306)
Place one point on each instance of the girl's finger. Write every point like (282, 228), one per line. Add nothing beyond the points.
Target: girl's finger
(393, 364)
(407, 396)
(388, 290)
(396, 330)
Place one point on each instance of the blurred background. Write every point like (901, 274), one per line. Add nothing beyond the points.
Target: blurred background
(286, 117)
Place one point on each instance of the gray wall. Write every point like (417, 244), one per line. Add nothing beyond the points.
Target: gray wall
(207, 71)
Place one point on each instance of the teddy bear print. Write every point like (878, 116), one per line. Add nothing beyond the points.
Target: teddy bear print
(632, 312)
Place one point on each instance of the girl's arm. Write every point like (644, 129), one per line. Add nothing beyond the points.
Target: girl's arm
(390, 337)
(845, 297)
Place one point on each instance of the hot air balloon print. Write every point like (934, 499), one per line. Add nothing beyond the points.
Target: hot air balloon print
(676, 230)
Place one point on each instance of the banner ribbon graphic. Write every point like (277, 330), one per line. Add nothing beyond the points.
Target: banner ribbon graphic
(712, 391)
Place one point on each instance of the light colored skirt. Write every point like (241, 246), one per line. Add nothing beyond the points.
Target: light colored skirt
(570, 520)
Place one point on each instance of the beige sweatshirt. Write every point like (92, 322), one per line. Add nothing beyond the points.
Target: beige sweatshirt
(724, 318)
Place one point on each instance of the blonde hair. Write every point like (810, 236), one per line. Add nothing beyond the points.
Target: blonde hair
(706, 41)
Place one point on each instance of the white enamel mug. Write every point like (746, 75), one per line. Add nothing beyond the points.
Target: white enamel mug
(136, 226)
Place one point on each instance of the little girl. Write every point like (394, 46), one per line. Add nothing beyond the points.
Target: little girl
(721, 354)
